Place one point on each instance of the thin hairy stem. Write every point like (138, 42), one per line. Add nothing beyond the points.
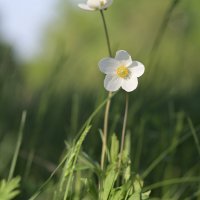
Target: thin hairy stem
(107, 109)
(105, 131)
(123, 131)
(106, 33)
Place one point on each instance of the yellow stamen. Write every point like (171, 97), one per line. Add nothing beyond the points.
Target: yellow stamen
(122, 71)
(102, 3)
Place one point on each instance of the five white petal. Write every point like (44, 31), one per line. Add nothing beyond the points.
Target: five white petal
(109, 65)
(113, 81)
(123, 57)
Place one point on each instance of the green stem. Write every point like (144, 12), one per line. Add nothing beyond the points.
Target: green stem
(107, 109)
(105, 130)
(123, 131)
(106, 33)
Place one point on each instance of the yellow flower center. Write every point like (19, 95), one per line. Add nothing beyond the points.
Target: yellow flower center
(102, 3)
(122, 71)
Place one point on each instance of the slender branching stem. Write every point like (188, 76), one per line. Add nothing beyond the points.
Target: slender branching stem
(105, 130)
(107, 109)
(123, 131)
(106, 33)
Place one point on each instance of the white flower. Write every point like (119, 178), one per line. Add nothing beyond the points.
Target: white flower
(95, 4)
(121, 71)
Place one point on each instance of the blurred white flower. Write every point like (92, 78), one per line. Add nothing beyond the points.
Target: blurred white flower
(95, 4)
(121, 71)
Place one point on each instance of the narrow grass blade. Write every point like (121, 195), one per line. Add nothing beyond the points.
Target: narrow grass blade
(37, 193)
(70, 167)
(163, 155)
(196, 194)
(194, 134)
(18, 145)
(162, 29)
(172, 182)
(93, 115)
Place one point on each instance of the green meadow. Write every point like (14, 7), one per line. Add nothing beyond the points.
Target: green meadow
(52, 107)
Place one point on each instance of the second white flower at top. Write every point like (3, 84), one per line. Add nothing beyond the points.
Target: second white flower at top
(93, 5)
(121, 71)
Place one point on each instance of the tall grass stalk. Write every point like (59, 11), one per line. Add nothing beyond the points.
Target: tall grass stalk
(87, 122)
(42, 187)
(18, 145)
(196, 194)
(71, 168)
(162, 29)
(163, 155)
(172, 182)
(194, 134)
(160, 35)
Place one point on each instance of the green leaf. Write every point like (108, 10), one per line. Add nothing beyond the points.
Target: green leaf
(146, 195)
(9, 189)
(135, 196)
(127, 148)
(138, 184)
(140, 196)
(137, 188)
(108, 183)
(117, 194)
(127, 172)
(114, 148)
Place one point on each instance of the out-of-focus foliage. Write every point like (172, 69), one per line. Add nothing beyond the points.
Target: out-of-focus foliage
(76, 42)
(62, 87)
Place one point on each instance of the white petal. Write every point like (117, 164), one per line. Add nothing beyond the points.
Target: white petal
(130, 84)
(108, 65)
(112, 83)
(123, 57)
(85, 7)
(136, 68)
(108, 3)
(94, 4)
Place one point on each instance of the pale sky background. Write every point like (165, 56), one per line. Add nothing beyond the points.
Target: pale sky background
(22, 23)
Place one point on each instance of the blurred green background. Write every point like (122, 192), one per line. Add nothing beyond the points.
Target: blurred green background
(63, 85)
